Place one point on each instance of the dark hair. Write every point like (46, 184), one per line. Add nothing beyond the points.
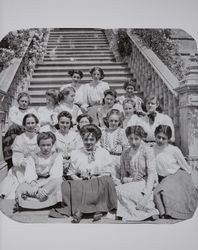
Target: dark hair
(72, 72)
(110, 92)
(52, 93)
(22, 94)
(131, 82)
(91, 129)
(65, 92)
(165, 129)
(78, 119)
(45, 136)
(98, 69)
(112, 112)
(153, 97)
(28, 116)
(67, 115)
(136, 130)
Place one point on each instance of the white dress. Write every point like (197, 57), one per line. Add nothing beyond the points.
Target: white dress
(22, 147)
(160, 119)
(45, 116)
(95, 93)
(115, 142)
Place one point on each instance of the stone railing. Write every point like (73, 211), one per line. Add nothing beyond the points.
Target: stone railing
(178, 99)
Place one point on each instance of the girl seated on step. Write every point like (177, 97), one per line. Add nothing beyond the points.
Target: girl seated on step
(129, 107)
(138, 177)
(109, 102)
(80, 98)
(43, 176)
(47, 115)
(24, 145)
(96, 88)
(15, 119)
(66, 103)
(114, 140)
(175, 196)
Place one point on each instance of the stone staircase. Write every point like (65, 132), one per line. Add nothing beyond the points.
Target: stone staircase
(75, 49)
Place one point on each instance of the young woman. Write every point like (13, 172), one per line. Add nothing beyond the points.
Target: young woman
(96, 88)
(47, 115)
(15, 118)
(80, 98)
(24, 145)
(138, 176)
(66, 103)
(176, 195)
(129, 87)
(114, 140)
(152, 119)
(100, 112)
(43, 176)
(91, 189)
(129, 107)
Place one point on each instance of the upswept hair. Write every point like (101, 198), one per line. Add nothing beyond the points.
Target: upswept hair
(22, 94)
(114, 112)
(98, 69)
(136, 130)
(52, 93)
(28, 116)
(45, 136)
(65, 92)
(165, 129)
(72, 72)
(131, 82)
(91, 129)
(81, 116)
(67, 115)
(128, 100)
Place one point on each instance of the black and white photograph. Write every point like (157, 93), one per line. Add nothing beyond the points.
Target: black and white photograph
(99, 126)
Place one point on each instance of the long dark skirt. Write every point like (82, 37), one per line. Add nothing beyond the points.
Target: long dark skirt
(88, 196)
(176, 196)
(8, 140)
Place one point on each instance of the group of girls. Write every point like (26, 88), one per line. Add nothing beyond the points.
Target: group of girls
(88, 151)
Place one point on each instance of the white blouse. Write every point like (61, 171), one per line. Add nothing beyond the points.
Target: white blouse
(45, 116)
(75, 111)
(169, 159)
(95, 93)
(80, 163)
(160, 119)
(16, 115)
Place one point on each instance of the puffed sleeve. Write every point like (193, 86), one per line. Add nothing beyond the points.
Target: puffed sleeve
(125, 143)
(30, 170)
(18, 151)
(181, 160)
(13, 116)
(107, 162)
(151, 169)
(56, 170)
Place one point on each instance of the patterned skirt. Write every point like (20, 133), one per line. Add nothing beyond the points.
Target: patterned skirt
(176, 196)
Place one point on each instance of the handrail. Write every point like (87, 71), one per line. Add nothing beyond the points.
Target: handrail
(160, 68)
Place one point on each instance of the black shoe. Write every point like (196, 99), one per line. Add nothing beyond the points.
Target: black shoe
(97, 216)
(77, 217)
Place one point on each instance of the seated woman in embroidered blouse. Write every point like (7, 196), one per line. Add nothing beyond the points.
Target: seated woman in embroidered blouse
(95, 89)
(67, 139)
(66, 103)
(80, 98)
(175, 196)
(109, 102)
(43, 176)
(24, 145)
(15, 119)
(152, 119)
(114, 140)
(47, 115)
(129, 87)
(138, 176)
(91, 189)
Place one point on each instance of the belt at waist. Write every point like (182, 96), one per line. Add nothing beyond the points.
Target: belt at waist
(112, 153)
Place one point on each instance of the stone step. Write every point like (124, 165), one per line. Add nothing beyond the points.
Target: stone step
(80, 64)
(73, 50)
(77, 39)
(79, 53)
(39, 80)
(76, 56)
(54, 68)
(83, 43)
(74, 35)
(72, 47)
(86, 74)
(85, 60)
(76, 30)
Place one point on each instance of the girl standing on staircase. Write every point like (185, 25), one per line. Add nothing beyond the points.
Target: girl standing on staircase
(95, 89)
(15, 119)
(114, 140)
(66, 103)
(47, 115)
(80, 98)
